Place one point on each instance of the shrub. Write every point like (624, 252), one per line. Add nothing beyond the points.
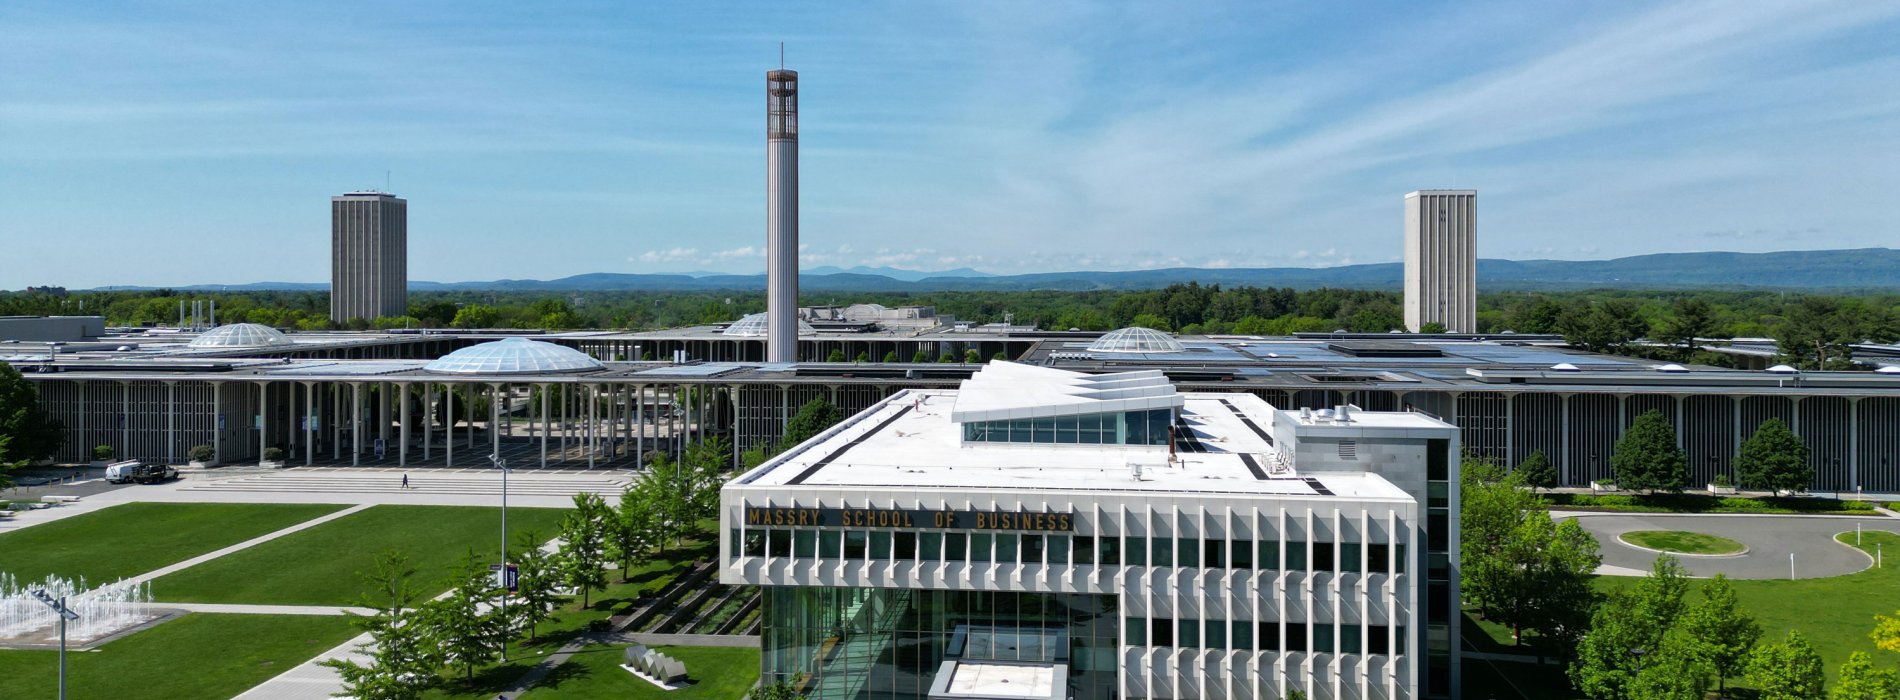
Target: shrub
(1721, 481)
(102, 452)
(201, 453)
(273, 454)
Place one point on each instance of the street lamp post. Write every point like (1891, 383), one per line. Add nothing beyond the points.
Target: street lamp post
(59, 606)
(501, 576)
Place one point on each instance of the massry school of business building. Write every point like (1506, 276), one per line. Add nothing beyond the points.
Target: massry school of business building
(1040, 533)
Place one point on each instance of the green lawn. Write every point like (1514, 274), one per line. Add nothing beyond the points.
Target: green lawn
(717, 674)
(195, 657)
(323, 565)
(131, 539)
(1683, 542)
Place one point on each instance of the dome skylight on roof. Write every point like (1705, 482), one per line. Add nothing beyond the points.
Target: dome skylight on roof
(241, 335)
(1136, 339)
(754, 326)
(514, 356)
(1783, 369)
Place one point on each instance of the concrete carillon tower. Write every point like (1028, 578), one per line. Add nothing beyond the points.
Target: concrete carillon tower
(781, 215)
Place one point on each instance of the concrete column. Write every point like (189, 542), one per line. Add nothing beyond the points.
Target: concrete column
(125, 420)
(382, 416)
(85, 407)
(593, 441)
(1853, 442)
(1564, 436)
(263, 419)
(402, 437)
(468, 396)
(171, 422)
(428, 420)
(639, 425)
(309, 409)
(545, 398)
(1510, 431)
(217, 431)
(448, 425)
(336, 423)
(494, 419)
(565, 397)
(356, 423)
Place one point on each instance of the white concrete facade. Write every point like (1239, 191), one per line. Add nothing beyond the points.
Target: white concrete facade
(1441, 259)
(1263, 557)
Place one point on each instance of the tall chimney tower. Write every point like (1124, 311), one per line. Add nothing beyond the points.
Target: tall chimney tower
(781, 216)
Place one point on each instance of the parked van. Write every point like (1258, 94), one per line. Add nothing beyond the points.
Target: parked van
(139, 472)
(121, 472)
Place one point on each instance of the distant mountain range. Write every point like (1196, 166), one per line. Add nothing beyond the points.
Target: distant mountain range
(1866, 268)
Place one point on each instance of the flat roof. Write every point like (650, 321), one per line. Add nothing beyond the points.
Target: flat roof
(908, 442)
(987, 679)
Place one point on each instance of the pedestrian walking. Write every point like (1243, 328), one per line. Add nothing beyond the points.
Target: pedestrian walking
(405, 481)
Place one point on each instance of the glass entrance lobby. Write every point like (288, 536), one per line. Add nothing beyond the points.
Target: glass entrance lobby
(889, 643)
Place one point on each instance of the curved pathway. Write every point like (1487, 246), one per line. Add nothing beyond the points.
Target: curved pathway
(1769, 538)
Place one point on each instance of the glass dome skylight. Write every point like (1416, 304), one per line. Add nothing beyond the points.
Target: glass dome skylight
(1136, 339)
(514, 356)
(241, 335)
(753, 326)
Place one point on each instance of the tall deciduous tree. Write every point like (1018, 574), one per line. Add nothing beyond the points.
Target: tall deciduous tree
(33, 434)
(1627, 628)
(402, 661)
(1720, 632)
(810, 420)
(1787, 670)
(1647, 459)
(1773, 459)
(1690, 319)
(583, 546)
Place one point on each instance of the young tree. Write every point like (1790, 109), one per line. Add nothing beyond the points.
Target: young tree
(628, 530)
(890, 356)
(1565, 600)
(1787, 670)
(1492, 508)
(837, 355)
(537, 575)
(582, 545)
(1689, 320)
(1773, 459)
(1721, 634)
(1859, 680)
(704, 474)
(920, 357)
(465, 632)
(1647, 457)
(402, 662)
(1537, 472)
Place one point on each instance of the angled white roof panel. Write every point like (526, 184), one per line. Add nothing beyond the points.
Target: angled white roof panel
(1011, 390)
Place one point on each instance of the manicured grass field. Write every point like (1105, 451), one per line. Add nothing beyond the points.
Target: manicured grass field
(323, 565)
(194, 657)
(1682, 542)
(718, 674)
(131, 539)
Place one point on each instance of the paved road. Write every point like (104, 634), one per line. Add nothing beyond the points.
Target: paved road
(1770, 538)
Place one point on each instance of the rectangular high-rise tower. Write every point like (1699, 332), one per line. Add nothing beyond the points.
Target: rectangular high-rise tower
(781, 216)
(1441, 260)
(369, 256)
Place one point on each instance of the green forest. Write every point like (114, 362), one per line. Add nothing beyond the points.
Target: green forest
(1813, 330)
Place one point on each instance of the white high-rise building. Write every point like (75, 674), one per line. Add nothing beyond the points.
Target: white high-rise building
(1441, 260)
(1040, 533)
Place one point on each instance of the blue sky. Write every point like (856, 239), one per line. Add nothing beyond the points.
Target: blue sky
(160, 143)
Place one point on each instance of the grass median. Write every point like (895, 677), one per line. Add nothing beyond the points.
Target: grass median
(322, 565)
(131, 539)
(1681, 542)
(194, 657)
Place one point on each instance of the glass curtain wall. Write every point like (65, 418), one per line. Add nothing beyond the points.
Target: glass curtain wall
(887, 643)
(1127, 428)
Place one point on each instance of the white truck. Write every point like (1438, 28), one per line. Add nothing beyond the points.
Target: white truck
(135, 471)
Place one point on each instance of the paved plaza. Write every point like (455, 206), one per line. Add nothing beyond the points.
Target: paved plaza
(1769, 538)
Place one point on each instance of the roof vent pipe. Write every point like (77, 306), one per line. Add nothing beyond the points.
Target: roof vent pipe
(1342, 413)
(1306, 414)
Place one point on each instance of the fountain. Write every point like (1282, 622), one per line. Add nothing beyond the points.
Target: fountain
(102, 611)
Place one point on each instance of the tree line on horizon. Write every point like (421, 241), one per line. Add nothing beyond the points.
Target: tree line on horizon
(1813, 330)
